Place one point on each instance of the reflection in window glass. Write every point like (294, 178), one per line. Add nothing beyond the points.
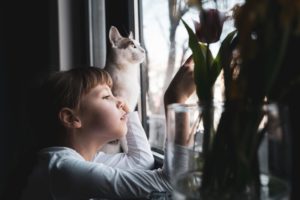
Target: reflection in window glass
(166, 42)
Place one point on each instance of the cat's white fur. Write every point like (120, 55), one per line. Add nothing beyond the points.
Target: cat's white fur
(123, 61)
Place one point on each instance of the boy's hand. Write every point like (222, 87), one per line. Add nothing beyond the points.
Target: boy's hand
(182, 85)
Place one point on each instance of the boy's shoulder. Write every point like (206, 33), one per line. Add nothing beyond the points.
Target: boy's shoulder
(53, 154)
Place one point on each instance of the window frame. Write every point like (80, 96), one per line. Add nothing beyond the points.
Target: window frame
(97, 32)
(143, 71)
(158, 153)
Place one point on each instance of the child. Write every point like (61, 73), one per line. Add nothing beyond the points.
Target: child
(81, 115)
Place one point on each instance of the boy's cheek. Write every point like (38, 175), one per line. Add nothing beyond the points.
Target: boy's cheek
(92, 122)
(98, 122)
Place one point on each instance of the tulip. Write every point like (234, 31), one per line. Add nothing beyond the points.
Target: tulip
(210, 27)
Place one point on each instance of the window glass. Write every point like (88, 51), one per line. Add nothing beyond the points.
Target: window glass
(166, 42)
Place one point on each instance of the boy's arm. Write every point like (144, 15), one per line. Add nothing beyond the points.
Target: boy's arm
(139, 151)
(182, 85)
(139, 155)
(72, 178)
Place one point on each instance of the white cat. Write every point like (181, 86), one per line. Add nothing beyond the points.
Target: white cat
(123, 61)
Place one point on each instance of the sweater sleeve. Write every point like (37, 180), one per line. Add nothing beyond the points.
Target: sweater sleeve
(139, 155)
(72, 178)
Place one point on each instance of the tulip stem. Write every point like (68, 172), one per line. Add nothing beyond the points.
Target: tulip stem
(208, 69)
(207, 57)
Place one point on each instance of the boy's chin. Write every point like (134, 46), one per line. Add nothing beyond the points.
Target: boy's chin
(125, 131)
(121, 134)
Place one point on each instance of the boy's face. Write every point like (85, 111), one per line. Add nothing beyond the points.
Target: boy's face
(102, 114)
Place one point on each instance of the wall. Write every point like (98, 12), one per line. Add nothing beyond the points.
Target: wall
(28, 52)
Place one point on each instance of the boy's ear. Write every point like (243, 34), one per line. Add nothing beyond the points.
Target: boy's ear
(114, 36)
(68, 118)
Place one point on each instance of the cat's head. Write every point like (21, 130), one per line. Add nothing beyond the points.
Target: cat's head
(125, 49)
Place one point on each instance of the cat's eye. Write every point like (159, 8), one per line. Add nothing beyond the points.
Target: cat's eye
(132, 44)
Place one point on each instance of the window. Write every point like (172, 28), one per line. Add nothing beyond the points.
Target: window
(165, 40)
(166, 43)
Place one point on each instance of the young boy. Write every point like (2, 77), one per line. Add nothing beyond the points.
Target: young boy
(81, 116)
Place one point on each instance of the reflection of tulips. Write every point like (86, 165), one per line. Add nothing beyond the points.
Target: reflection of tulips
(210, 27)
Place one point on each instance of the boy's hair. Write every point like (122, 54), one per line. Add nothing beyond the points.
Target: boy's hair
(65, 89)
(68, 87)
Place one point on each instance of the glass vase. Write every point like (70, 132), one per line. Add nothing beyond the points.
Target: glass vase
(225, 152)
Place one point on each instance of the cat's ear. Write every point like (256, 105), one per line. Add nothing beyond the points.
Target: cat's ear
(130, 35)
(114, 35)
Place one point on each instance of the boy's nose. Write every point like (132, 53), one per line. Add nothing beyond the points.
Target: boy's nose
(120, 103)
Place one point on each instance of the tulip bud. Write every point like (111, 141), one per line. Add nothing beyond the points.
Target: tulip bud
(210, 27)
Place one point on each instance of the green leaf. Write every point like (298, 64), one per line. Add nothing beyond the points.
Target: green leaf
(225, 45)
(200, 72)
(204, 48)
(222, 60)
(208, 57)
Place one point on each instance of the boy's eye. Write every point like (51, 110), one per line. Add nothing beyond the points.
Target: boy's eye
(106, 97)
